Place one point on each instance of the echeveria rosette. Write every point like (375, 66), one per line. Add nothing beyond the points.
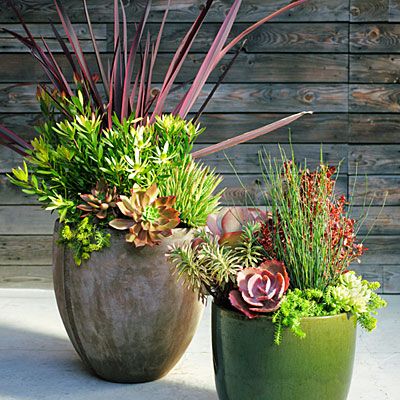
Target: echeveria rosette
(228, 226)
(100, 201)
(151, 217)
(353, 294)
(260, 290)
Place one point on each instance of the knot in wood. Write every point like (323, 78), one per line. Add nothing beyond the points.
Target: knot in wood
(309, 97)
(155, 92)
(374, 33)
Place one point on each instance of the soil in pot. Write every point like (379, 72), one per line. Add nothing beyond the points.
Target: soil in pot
(249, 366)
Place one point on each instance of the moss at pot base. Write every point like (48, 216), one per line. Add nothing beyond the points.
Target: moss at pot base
(249, 366)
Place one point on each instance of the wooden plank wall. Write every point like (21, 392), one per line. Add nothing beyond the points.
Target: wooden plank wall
(338, 58)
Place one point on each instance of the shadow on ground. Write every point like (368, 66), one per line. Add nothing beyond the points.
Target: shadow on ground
(37, 366)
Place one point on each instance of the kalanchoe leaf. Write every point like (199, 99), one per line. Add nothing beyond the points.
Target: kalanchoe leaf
(260, 290)
(228, 226)
(152, 217)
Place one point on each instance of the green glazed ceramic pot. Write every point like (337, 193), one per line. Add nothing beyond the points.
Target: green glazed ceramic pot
(249, 366)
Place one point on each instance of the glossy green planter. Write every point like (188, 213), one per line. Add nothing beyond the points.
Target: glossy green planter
(249, 366)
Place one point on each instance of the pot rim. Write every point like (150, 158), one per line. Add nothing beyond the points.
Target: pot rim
(174, 230)
(236, 315)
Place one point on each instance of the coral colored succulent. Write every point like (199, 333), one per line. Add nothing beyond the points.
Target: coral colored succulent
(228, 226)
(151, 217)
(260, 290)
(101, 200)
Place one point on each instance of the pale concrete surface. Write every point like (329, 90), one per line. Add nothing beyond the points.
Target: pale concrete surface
(37, 361)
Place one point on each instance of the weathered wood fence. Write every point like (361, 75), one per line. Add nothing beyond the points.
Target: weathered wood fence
(338, 58)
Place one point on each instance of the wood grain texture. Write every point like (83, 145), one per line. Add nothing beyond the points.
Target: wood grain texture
(276, 37)
(11, 194)
(374, 128)
(9, 44)
(375, 68)
(369, 10)
(246, 163)
(242, 97)
(35, 220)
(382, 250)
(22, 276)
(378, 220)
(316, 128)
(25, 250)
(391, 279)
(366, 98)
(378, 38)
(182, 10)
(378, 189)
(374, 159)
(394, 13)
(251, 190)
(288, 68)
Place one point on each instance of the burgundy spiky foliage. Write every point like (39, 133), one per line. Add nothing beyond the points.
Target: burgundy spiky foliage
(121, 96)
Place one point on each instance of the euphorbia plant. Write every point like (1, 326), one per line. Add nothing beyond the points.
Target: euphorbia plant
(97, 147)
(290, 262)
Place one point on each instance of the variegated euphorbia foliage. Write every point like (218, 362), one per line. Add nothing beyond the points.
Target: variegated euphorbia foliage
(149, 217)
(260, 290)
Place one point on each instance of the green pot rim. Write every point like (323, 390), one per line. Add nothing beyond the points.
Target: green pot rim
(239, 316)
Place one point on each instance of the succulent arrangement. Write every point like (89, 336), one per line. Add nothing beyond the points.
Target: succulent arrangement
(122, 156)
(288, 263)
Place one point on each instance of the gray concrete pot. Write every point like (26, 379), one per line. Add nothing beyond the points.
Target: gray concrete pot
(124, 311)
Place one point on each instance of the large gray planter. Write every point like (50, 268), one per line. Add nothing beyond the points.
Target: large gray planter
(124, 311)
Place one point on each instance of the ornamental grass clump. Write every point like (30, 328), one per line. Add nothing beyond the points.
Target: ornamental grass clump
(289, 262)
(115, 149)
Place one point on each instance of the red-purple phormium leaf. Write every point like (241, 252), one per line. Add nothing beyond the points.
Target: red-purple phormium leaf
(178, 59)
(74, 41)
(96, 49)
(218, 83)
(253, 27)
(245, 137)
(207, 65)
(131, 61)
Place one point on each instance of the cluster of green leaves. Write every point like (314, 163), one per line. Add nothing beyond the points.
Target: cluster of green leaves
(211, 267)
(357, 296)
(83, 239)
(195, 188)
(72, 155)
(352, 295)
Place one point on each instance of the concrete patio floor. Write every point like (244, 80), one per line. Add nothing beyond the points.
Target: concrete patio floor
(38, 362)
